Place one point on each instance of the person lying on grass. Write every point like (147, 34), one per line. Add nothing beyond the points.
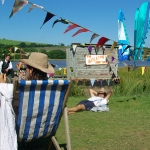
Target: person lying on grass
(97, 99)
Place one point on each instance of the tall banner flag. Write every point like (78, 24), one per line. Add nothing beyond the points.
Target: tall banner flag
(64, 21)
(123, 41)
(70, 27)
(93, 37)
(114, 44)
(18, 5)
(47, 18)
(35, 6)
(141, 26)
(101, 41)
(79, 31)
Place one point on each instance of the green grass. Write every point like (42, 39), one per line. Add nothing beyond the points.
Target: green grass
(124, 127)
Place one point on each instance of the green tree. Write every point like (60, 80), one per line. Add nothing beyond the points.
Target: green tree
(56, 54)
(22, 44)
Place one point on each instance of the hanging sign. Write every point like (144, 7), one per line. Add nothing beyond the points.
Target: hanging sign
(96, 59)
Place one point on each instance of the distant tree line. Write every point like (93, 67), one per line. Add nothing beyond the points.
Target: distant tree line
(52, 54)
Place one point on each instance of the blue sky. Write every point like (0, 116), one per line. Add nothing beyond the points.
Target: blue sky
(99, 16)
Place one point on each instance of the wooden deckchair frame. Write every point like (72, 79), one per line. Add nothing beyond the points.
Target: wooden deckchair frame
(64, 112)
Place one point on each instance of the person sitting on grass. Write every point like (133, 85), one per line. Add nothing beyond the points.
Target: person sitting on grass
(97, 99)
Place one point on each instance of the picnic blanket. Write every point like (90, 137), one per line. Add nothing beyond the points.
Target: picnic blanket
(8, 136)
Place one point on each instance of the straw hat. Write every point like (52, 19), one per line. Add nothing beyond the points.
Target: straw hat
(39, 61)
(102, 90)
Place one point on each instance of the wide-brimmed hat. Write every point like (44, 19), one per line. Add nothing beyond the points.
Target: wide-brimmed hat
(39, 61)
(102, 90)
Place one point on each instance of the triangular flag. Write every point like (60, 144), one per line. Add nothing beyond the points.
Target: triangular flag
(90, 49)
(92, 81)
(18, 5)
(112, 58)
(108, 82)
(114, 44)
(70, 27)
(74, 48)
(101, 82)
(143, 70)
(80, 30)
(35, 6)
(64, 21)
(93, 37)
(102, 41)
(47, 18)
(15, 49)
(3, 1)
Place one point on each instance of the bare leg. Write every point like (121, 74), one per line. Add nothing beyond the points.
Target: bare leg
(75, 109)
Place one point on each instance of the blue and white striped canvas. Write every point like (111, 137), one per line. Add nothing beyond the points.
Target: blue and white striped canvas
(40, 107)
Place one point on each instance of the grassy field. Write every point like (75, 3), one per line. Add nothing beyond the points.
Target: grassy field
(124, 127)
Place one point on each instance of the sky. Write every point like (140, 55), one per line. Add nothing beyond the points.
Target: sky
(99, 16)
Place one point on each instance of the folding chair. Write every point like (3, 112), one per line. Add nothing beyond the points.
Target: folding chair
(40, 108)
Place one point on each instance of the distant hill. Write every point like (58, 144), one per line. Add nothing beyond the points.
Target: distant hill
(13, 42)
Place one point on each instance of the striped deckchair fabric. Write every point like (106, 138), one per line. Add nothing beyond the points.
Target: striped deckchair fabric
(41, 104)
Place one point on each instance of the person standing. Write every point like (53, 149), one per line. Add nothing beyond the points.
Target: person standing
(6, 66)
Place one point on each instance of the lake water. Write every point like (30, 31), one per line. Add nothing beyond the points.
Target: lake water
(62, 63)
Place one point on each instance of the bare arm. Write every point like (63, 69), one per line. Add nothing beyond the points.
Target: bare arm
(108, 95)
(19, 65)
(92, 93)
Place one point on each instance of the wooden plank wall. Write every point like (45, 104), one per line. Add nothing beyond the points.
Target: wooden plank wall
(76, 61)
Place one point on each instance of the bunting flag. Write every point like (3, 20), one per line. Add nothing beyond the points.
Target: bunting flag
(93, 37)
(97, 50)
(102, 41)
(64, 21)
(79, 31)
(112, 58)
(90, 49)
(35, 6)
(15, 49)
(3, 1)
(18, 5)
(114, 44)
(143, 70)
(70, 27)
(108, 81)
(101, 82)
(47, 18)
(92, 81)
(74, 48)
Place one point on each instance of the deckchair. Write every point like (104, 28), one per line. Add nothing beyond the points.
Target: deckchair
(40, 108)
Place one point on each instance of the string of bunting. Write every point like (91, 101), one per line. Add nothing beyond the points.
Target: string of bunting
(19, 4)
